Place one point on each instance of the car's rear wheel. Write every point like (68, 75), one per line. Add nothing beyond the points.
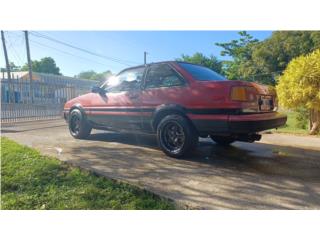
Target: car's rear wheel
(222, 140)
(176, 136)
(78, 125)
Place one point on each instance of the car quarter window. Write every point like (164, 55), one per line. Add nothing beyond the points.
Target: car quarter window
(162, 75)
(127, 80)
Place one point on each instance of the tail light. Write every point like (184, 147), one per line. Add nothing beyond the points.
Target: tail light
(256, 98)
(243, 93)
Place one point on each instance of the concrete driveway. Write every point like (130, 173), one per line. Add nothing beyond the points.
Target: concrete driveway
(279, 172)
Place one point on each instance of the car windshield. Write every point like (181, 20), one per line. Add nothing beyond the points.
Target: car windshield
(202, 73)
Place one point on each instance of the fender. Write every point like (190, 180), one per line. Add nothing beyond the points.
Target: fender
(78, 106)
(165, 109)
(75, 106)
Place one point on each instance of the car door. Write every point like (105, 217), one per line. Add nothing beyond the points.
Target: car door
(119, 107)
(163, 85)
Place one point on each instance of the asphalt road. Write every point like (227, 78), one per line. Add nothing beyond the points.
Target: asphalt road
(279, 172)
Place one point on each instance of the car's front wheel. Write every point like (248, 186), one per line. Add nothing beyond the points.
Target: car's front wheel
(78, 125)
(176, 136)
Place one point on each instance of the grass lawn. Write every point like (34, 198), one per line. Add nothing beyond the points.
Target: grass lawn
(291, 125)
(30, 180)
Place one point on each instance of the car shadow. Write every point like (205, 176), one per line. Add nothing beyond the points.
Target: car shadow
(143, 140)
(255, 157)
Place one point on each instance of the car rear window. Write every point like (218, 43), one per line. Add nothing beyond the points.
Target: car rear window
(202, 73)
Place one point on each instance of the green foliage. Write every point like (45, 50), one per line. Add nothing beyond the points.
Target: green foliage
(263, 61)
(242, 66)
(299, 85)
(198, 58)
(45, 65)
(92, 75)
(33, 181)
(14, 68)
(302, 118)
(274, 53)
(293, 125)
(238, 49)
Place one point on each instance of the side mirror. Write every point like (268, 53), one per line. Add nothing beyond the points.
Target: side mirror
(99, 90)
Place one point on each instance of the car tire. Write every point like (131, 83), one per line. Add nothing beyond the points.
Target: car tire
(222, 140)
(78, 126)
(176, 136)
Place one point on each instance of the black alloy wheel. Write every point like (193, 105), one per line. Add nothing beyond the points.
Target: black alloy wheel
(176, 136)
(78, 125)
(173, 137)
(75, 124)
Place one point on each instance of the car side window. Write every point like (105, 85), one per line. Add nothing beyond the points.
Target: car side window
(162, 75)
(128, 80)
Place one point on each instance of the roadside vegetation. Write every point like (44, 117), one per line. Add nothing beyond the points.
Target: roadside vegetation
(296, 124)
(298, 87)
(30, 180)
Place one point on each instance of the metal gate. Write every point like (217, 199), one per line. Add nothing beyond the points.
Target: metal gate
(43, 99)
(14, 112)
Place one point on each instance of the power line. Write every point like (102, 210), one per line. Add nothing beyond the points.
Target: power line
(15, 53)
(46, 46)
(56, 49)
(75, 47)
(124, 62)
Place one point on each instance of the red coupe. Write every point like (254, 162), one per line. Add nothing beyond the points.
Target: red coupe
(179, 102)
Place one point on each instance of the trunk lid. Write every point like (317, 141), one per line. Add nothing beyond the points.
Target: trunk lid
(259, 98)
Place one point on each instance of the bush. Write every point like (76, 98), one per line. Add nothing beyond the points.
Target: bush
(302, 118)
(298, 87)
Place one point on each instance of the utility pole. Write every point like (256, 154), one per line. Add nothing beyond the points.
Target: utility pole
(29, 65)
(7, 65)
(145, 57)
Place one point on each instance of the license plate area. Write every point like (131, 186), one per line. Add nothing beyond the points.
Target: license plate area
(266, 103)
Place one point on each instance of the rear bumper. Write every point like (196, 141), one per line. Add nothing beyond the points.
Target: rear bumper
(256, 123)
(243, 123)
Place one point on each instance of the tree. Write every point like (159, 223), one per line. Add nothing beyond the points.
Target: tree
(14, 67)
(198, 58)
(274, 53)
(254, 60)
(45, 65)
(92, 75)
(241, 65)
(299, 86)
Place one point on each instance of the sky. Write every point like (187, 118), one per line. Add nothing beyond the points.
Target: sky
(126, 46)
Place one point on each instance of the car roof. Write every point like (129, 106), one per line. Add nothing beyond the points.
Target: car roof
(154, 63)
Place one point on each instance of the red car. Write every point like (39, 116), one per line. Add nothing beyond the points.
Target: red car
(179, 102)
